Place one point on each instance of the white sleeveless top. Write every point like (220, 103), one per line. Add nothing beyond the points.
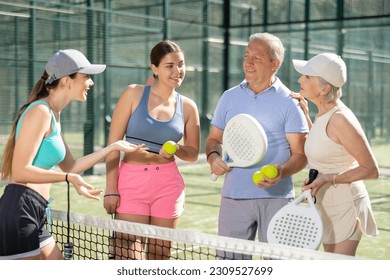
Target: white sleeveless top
(329, 157)
(342, 205)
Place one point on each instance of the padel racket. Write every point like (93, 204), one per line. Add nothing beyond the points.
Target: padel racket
(112, 243)
(298, 224)
(244, 142)
(68, 246)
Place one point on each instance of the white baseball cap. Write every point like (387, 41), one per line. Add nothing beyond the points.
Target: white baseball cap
(67, 62)
(328, 66)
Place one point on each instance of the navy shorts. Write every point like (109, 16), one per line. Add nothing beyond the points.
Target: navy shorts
(22, 222)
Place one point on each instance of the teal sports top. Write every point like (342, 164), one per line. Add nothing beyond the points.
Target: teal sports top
(52, 149)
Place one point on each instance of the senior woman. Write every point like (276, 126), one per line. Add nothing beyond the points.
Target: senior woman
(338, 148)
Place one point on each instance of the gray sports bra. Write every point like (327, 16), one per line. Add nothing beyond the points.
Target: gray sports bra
(142, 128)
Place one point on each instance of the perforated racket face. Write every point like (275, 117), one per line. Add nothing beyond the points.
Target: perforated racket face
(297, 226)
(244, 140)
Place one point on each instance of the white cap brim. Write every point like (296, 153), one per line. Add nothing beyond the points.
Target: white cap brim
(303, 67)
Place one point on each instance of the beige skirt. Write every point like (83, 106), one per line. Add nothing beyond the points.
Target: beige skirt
(341, 209)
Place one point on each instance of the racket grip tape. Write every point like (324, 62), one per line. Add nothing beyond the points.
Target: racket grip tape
(313, 173)
(213, 177)
(68, 251)
(112, 246)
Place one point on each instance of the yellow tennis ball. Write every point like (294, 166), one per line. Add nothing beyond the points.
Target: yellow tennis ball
(257, 176)
(170, 147)
(271, 171)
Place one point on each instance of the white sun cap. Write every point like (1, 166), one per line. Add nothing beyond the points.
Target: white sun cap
(328, 66)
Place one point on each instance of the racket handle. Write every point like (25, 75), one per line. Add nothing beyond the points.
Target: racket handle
(111, 247)
(313, 173)
(68, 251)
(213, 177)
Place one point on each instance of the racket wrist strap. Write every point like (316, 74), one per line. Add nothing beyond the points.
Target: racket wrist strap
(212, 152)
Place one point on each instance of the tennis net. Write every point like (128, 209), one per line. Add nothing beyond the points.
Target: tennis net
(97, 238)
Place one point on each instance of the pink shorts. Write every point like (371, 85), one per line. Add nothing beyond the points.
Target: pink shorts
(155, 190)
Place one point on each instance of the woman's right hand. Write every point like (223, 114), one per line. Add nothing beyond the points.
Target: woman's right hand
(302, 101)
(304, 106)
(83, 188)
(111, 202)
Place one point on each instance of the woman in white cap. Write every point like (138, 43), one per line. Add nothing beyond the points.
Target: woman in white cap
(338, 148)
(35, 147)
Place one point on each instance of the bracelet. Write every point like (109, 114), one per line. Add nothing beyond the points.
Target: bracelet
(212, 152)
(334, 180)
(112, 194)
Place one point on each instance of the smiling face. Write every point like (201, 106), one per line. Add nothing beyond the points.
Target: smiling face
(80, 86)
(258, 67)
(171, 69)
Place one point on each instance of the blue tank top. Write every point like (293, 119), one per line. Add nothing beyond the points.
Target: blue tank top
(142, 128)
(52, 149)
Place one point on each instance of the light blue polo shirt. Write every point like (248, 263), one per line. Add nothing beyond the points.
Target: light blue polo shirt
(279, 114)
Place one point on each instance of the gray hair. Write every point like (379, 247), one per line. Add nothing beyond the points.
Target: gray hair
(334, 93)
(276, 48)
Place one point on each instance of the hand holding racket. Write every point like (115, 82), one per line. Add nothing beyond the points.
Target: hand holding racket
(244, 142)
(298, 224)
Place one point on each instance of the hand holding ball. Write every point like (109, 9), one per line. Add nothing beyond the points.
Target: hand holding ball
(270, 171)
(170, 147)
